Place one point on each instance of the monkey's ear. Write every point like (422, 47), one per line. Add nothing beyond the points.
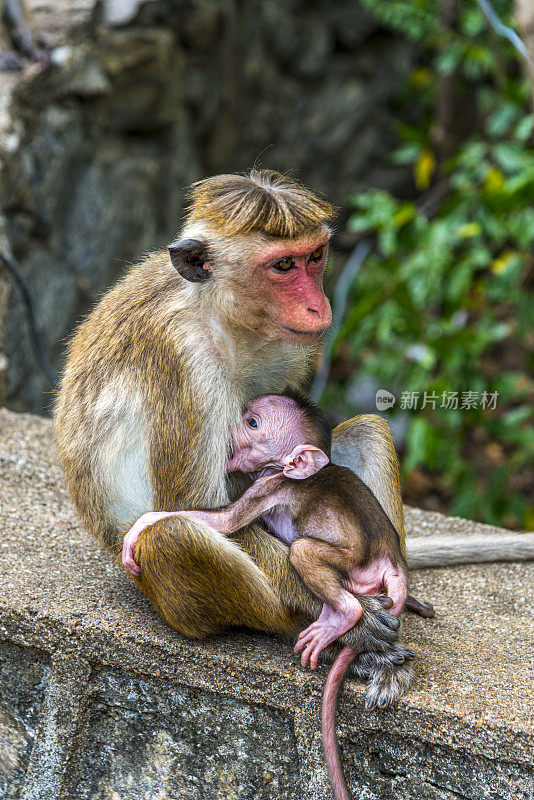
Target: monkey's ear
(305, 460)
(189, 258)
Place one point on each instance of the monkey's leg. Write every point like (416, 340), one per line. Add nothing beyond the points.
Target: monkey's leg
(377, 629)
(364, 445)
(202, 582)
(320, 564)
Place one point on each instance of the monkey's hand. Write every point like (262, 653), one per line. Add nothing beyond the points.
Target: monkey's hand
(214, 518)
(135, 532)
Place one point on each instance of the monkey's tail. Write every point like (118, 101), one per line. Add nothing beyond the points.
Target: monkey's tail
(330, 695)
(443, 551)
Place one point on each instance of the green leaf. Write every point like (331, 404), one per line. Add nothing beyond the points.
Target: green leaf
(524, 128)
(416, 443)
(511, 157)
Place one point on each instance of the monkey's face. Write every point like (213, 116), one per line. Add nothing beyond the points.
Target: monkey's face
(271, 427)
(287, 280)
(272, 287)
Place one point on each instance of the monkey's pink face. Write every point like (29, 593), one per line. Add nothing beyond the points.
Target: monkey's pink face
(289, 278)
(269, 430)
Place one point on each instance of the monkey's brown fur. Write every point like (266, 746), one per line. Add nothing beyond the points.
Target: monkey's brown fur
(264, 201)
(376, 463)
(366, 530)
(188, 605)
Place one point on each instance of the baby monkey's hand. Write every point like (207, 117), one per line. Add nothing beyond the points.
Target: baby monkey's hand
(131, 537)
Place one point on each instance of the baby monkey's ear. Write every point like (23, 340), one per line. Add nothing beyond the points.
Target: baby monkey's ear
(305, 460)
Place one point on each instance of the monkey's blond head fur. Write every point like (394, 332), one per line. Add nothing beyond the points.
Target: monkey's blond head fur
(262, 201)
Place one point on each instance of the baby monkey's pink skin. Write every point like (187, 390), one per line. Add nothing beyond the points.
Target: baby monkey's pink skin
(332, 522)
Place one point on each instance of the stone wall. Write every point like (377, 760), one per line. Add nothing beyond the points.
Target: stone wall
(95, 151)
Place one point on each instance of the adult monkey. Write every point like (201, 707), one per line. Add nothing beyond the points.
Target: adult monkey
(155, 381)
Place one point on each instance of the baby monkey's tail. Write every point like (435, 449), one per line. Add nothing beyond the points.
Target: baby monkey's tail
(330, 695)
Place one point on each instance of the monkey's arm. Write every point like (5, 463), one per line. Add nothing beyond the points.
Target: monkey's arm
(264, 494)
(216, 519)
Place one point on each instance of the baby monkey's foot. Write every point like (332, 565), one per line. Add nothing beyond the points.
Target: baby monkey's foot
(329, 627)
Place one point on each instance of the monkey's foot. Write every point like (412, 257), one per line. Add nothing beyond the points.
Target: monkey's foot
(365, 663)
(380, 575)
(329, 627)
(387, 684)
(377, 630)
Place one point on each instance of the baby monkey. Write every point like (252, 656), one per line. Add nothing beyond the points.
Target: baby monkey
(342, 542)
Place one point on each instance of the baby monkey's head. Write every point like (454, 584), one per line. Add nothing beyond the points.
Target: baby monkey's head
(281, 432)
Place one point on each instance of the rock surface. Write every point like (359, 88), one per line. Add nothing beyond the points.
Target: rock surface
(140, 100)
(100, 700)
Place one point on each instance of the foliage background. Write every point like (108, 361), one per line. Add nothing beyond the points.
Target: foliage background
(444, 302)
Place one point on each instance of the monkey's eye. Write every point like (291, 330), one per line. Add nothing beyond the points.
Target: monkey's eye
(253, 422)
(316, 256)
(284, 265)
